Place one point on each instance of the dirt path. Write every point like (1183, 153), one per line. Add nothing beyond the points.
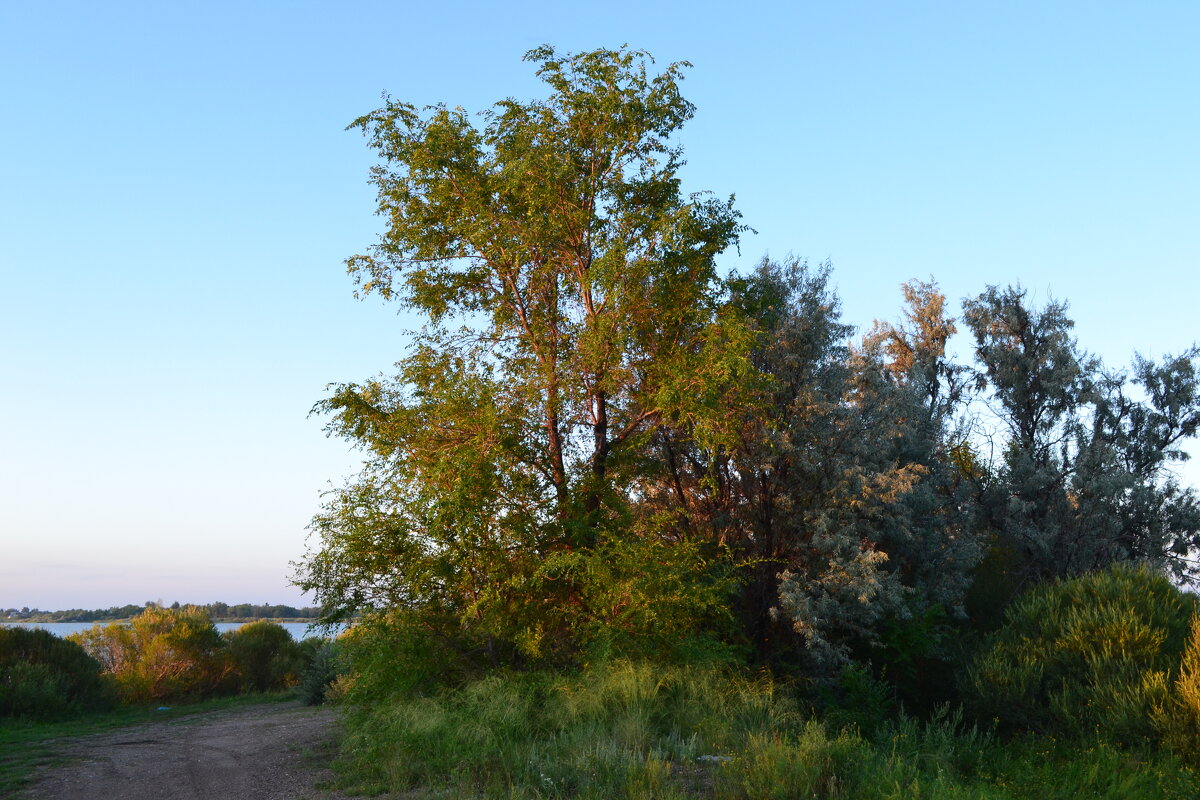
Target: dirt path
(255, 753)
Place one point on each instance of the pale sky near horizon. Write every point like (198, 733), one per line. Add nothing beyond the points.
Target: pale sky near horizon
(178, 195)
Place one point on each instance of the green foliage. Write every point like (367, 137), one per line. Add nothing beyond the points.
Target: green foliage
(837, 495)
(854, 698)
(399, 654)
(634, 730)
(1083, 480)
(919, 656)
(809, 764)
(323, 666)
(1178, 716)
(608, 733)
(574, 309)
(162, 654)
(265, 656)
(657, 598)
(1089, 657)
(45, 677)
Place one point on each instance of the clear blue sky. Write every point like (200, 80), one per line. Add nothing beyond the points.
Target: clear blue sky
(178, 195)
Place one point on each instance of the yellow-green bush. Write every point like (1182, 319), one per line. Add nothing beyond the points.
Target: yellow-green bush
(1178, 718)
(1087, 657)
(162, 654)
(398, 653)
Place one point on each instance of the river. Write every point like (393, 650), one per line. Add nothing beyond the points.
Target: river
(298, 630)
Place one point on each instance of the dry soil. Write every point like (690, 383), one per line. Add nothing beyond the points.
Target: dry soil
(263, 752)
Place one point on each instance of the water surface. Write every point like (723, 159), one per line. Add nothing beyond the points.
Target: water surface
(298, 630)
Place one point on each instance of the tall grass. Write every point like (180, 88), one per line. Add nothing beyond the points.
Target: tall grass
(635, 730)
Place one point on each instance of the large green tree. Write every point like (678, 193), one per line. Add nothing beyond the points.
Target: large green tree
(572, 307)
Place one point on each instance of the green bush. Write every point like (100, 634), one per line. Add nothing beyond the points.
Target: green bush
(920, 657)
(1088, 657)
(45, 677)
(323, 667)
(397, 655)
(1178, 718)
(265, 656)
(163, 654)
(856, 698)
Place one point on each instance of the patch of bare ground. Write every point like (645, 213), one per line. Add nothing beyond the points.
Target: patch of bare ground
(262, 752)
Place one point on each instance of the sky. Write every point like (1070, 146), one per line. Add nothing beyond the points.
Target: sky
(178, 194)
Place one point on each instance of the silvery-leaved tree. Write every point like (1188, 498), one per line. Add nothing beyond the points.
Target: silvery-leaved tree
(572, 307)
(839, 496)
(1083, 476)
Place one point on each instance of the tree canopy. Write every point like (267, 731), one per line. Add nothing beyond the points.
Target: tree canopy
(573, 308)
(599, 437)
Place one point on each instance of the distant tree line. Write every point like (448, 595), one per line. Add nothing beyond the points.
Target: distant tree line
(218, 611)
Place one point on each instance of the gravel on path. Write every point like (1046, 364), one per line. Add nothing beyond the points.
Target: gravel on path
(261, 752)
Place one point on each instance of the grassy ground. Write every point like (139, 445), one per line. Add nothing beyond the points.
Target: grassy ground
(633, 731)
(26, 746)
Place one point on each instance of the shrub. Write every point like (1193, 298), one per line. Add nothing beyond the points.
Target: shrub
(920, 658)
(1178, 719)
(163, 654)
(396, 654)
(856, 698)
(265, 656)
(307, 649)
(323, 668)
(1086, 656)
(45, 677)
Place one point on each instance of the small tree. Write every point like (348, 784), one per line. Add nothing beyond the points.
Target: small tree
(837, 493)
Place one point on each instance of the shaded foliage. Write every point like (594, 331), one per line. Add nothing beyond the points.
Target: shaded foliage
(323, 666)
(265, 657)
(45, 677)
(838, 494)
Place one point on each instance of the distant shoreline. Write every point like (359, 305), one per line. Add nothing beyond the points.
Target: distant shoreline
(216, 611)
(41, 620)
